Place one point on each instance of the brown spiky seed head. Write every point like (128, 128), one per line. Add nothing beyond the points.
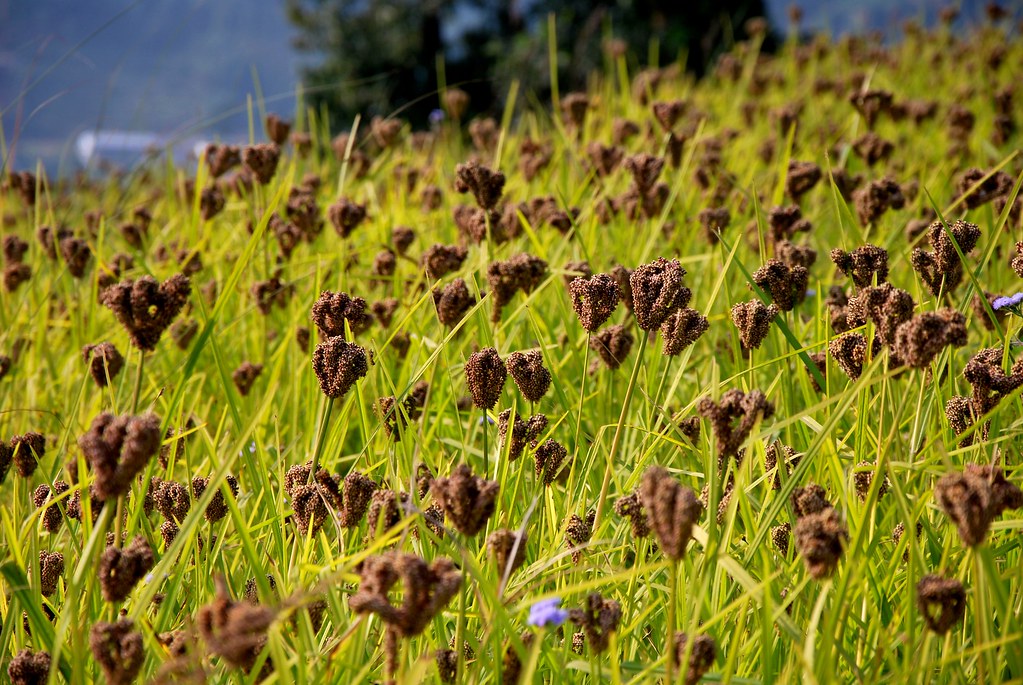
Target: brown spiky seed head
(26, 451)
(51, 568)
(863, 264)
(427, 589)
(440, 260)
(919, 340)
(245, 375)
(29, 668)
(523, 431)
(261, 161)
(549, 457)
(594, 299)
(121, 569)
(672, 510)
(702, 654)
(786, 285)
(802, 177)
(232, 630)
(507, 549)
(468, 500)
(598, 617)
(118, 449)
(104, 361)
(217, 508)
(172, 501)
(657, 291)
(613, 344)
(485, 184)
(753, 319)
(682, 328)
(453, 302)
(332, 310)
(530, 375)
(338, 364)
(974, 498)
(146, 308)
(630, 506)
(820, 539)
(118, 648)
(733, 417)
(941, 601)
(485, 374)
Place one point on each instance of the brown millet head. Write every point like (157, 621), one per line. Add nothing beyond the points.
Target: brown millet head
(277, 129)
(15, 275)
(672, 510)
(629, 506)
(211, 202)
(785, 221)
(919, 340)
(427, 589)
(733, 417)
(780, 536)
(25, 452)
(573, 109)
(172, 501)
(657, 291)
(714, 221)
(534, 157)
(863, 264)
(810, 499)
(667, 114)
(252, 588)
(357, 491)
(645, 169)
(332, 310)
(29, 668)
(222, 158)
(960, 415)
(146, 308)
(753, 319)
(863, 477)
(997, 185)
(402, 238)
(51, 568)
(578, 531)
(233, 630)
(121, 569)
(941, 602)
(485, 374)
(887, 306)
(786, 285)
(261, 160)
(871, 104)
(507, 549)
(310, 509)
(52, 517)
(522, 272)
(802, 177)
(345, 216)
(386, 510)
(217, 508)
(118, 449)
(384, 265)
(794, 255)
(530, 375)
(613, 344)
(453, 302)
(820, 360)
(772, 463)
(594, 299)
(941, 270)
(183, 331)
(385, 131)
(245, 375)
(468, 500)
(485, 184)
(974, 498)
(77, 254)
(850, 352)
(876, 198)
(104, 361)
(701, 657)
(118, 649)
(872, 148)
(820, 539)
(338, 364)
(682, 328)
(1017, 260)
(549, 457)
(523, 431)
(622, 276)
(598, 618)
(440, 260)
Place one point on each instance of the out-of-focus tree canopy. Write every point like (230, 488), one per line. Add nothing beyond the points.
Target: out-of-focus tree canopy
(376, 56)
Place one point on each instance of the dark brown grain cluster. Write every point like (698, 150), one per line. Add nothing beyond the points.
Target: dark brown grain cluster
(753, 320)
(466, 499)
(820, 534)
(941, 602)
(485, 374)
(672, 510)
(941, 269)
(118, 649)
(598, 618)
(530, 375)
(146, 308)
(121, 569)
(974, 498)
(117, 449)
(338, 364)
(733, 417)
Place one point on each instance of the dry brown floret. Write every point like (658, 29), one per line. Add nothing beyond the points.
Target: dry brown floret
(714, 221)
(631, 507)
(521, 272)
(672, 510)
(578, 531)
(104, 361)
(613, 344)
(604, 158)
(52, 517)
(468, 500)
(217, 508)
(794, 255)
(29, 668)
(118, 648)
(919, 340)
(863, 477)
(234, 631)
(332, 310)
(261, 161)
(598, 618)
(427, 590)
(121, 569)
(780, 536)
(657, 291)
(702, 654)
(997, 185)
(941, 601)
(872, 148)
(530, 375)
(974, 498)
(876, 198)
(753, 319)
(346, 215)
(146, 308)
(802, 177)
(245, 375)
(118, 449)
(338, 364)
(507, 548)
(440, 260)
(594, 300)
(732, 419)
(485, 374)
(887, 306)
(171, 499)
(682, 328)
(941, 270)
(871, 104)
(51, 569)
(820, 539)
(222, 158)
(485, 184)
(784, 222)
(786, 285)
(549, 458)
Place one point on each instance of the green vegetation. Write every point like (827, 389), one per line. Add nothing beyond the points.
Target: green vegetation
(814, 405)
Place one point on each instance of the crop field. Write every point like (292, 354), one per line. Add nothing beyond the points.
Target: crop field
(668, 381)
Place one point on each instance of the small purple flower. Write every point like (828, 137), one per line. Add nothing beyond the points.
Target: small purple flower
(436, 116)
(546, 613)
(1011, 302)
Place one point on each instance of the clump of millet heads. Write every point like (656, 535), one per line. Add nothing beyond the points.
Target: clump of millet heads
(753, 319)
(332, 310)
(530, 375)
(146, 308)
(118, 449)
(346, 215)
(941, 270)
(507, 548)
(121, 569)
(52, 517)
(485, 184)
(820, 533)
(786, 285)
(520, 272)
(613, 344)
(919, 340)
(466, 499)
(485, 374)
(440, 260)
(549, 457)
(863, 478)
(631, 507)
(245, 376)
(657, 291)
(51, 568)
(941, 601)
(682, 328)
(701, 655)
(453, 302)
(876, 198)
(338, 364)
(277, 129)
(801, 178)
(233, 630)
(974, 498)
(887, 306)
(24, 451)
(863, 264)
(217, 508)
(672, 510)
(594, 300)
(733, 417)
(118, 648)
(29, 668)
(598, 618)
(520, 433)
(578, 531)
(261, 161)
(104, 361)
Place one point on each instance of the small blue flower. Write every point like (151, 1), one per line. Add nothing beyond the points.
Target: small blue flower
(436, 116)
(546, 613)
(1010, 302)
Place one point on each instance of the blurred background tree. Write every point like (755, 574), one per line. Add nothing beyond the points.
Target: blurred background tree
(378, 56)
